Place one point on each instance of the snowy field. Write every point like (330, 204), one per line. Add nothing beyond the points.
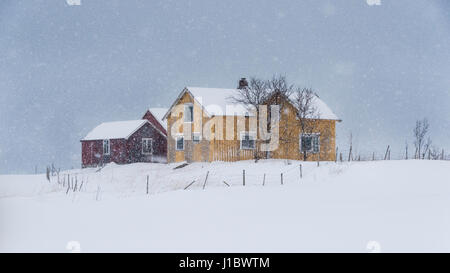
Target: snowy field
(387, 206)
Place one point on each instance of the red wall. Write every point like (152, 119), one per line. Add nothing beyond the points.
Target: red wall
(91, 152)
(125, 151)
(134, 145)
(148, 116)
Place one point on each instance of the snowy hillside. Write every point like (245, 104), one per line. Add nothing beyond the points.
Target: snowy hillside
(360, 206)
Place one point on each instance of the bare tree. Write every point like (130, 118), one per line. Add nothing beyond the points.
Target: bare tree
(296, 107)
(253, 95)
(350, 156)
(279, 85)
(426, 148)
(279, 92)
(257, 93)
(406, 149)
(304, 101)
(435, 153)
(420, 132)
(307, 113)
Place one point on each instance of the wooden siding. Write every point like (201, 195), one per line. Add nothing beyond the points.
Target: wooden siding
(177, 126)
(221, 148)
(229, 150)
(153, 120)
(124, 151)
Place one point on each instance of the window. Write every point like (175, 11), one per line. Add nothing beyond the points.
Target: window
(147, 146)
(179, 143)
(188, 112)
(247, 141)
(309, 143)
(106, 147)
(196, 137)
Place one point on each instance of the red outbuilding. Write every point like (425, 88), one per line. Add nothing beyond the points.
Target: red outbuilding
(125, 142)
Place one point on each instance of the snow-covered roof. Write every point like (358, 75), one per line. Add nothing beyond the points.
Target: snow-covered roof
(115, 130)
(217, 101)
(159, 113)
(323, 111)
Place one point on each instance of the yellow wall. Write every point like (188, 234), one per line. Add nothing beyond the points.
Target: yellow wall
(176, 125)
(289, 140)
(229, 150)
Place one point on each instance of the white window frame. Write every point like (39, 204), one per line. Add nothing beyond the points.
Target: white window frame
(176, 143)
(250, 134)
(144, 142)
(312, 151)
(199, 137)
(108, 152)
(188, 106)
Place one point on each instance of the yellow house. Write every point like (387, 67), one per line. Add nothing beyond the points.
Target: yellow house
(204, 125)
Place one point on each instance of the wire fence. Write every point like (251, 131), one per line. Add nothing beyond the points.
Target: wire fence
(73, 182)
(389, 153)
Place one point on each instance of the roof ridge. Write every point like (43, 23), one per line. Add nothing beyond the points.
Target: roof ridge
(110, 130)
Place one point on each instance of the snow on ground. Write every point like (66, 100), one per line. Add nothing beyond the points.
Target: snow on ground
(336, 207)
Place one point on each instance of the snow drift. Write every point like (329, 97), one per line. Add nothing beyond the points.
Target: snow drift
(386, 206)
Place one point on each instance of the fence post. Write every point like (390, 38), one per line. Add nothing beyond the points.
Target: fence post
(189, 185)
(243, 177)
(204, 184)
(147, 183)
(301, 172)
(281, 178)
(47, 173)
(386, 154)
(76, 183)
(350, 154)
(97, 196)
(264, 179)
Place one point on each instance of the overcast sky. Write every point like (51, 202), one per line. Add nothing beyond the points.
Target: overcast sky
(65, 69)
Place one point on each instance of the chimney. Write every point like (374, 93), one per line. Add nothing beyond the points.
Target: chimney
(243, 83)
